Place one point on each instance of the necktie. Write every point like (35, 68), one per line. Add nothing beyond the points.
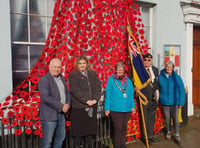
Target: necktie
(149, 72)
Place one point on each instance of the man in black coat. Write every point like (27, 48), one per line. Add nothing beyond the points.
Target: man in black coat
(151, 91)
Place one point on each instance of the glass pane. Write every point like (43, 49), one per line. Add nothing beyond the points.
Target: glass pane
(50, 7)
(147, 34)
(18, 77)
(145, 16)
(37, 7)
(48, 24)
(35, 52)
(145, 11)
(37, 29)
(19, 27)
(19, 6)
(19, 57)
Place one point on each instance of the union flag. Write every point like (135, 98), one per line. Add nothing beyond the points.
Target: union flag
(140, 76)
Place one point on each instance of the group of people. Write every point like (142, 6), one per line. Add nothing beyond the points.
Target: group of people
(56, 100)
(166, 88)
(85, 91)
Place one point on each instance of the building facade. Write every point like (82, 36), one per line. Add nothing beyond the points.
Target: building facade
(175, 28)
(171, 29)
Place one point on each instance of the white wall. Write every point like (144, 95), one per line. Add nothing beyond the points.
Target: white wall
(169, 28)
(5, 50)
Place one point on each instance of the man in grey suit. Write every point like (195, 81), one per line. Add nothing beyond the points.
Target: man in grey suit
(55, 103)
(152, 94)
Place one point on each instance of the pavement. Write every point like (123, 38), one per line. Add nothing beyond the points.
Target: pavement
(190, 136)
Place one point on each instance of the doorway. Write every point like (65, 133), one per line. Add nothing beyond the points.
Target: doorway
(196, 68)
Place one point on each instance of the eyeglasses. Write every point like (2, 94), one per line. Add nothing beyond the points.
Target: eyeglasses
(147, 60)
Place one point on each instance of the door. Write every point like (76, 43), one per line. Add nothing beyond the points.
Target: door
(196, 67)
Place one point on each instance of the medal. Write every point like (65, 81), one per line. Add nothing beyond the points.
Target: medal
(124, 95)
(122, 90)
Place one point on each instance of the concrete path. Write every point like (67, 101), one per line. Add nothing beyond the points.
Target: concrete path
(190, 136)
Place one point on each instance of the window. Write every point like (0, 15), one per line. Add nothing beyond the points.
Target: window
(30, 22)
(145, 13)
(146, 10)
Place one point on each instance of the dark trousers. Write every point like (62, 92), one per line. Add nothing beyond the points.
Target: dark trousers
(171, 112)
(120, 121)
(149, 116)
(87, 140)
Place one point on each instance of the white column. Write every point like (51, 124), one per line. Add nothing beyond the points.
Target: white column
(189, 62)
(5, 51)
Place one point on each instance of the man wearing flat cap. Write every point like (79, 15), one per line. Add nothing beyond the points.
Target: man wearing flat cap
(152, 94)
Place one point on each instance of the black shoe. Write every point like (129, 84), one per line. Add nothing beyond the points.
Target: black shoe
(154, 140)
(144, 141)
(150, 142)
(177, 139)
(123, 146)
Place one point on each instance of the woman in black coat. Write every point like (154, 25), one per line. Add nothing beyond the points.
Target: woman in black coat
(85, 89)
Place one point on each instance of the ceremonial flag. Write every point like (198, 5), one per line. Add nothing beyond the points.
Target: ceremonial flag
(140, 76)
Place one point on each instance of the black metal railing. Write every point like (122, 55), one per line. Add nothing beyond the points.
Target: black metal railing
(102, 140)
(10, 140)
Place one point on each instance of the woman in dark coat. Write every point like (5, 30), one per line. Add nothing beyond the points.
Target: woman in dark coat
(85, 89)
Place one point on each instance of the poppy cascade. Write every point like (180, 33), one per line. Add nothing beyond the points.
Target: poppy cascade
(96, 28)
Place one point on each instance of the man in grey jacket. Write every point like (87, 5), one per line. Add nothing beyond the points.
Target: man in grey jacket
(55, 103)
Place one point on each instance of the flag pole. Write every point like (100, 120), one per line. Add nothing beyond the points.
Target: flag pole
(138, 90)
(144, 124)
